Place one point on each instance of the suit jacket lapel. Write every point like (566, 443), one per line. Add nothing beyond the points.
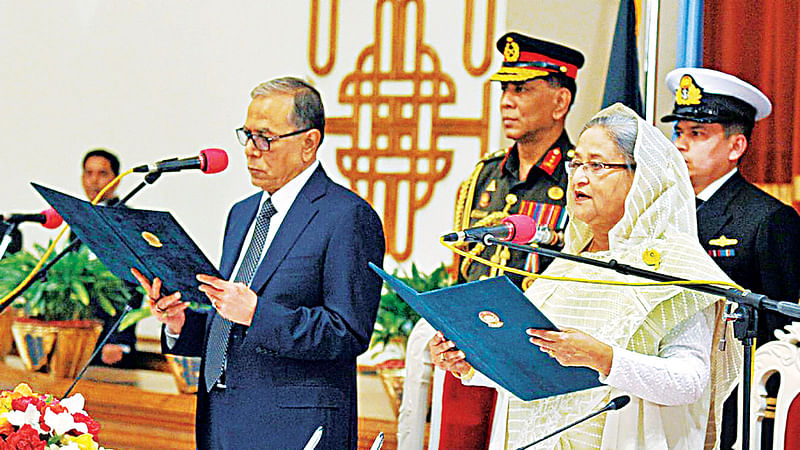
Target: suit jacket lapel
(296, 220)
(239, 224)
(715, 214)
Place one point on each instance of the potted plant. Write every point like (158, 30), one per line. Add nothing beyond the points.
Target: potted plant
(58, 328)
(392, 327)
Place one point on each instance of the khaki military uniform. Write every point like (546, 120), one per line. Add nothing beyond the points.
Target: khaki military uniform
(494, 191)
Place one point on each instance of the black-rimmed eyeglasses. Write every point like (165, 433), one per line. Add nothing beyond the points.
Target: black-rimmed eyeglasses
(260, 141)
(595, 167)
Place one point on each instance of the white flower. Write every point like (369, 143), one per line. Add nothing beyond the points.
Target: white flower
(74, 404)
(30, 417)
(63, 422)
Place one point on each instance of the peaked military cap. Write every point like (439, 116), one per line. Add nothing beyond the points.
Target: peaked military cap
(710, 96)
(526, 58)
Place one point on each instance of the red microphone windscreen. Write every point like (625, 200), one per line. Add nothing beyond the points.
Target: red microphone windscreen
(213, 160)
(52, 219)
(524, 228)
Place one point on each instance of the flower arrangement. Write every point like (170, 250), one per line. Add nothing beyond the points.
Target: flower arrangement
(42, 422)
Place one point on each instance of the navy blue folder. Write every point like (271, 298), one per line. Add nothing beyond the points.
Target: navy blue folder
(151, 241)
(502, 353)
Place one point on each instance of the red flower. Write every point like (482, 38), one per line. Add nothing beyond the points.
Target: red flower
(56, 408)
(25, 439)
(21, 404)
(91, 424)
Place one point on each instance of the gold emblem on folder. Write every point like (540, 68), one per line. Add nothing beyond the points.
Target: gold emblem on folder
(723, 241)
(491, 319)
(152, 239)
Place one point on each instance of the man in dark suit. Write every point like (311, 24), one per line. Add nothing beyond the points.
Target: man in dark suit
(302, 301)
(100, 167)
(752, 236)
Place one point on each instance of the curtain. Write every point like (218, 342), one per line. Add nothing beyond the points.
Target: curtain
(758, 42)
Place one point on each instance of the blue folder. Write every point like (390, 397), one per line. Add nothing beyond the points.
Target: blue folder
(151, 241)
(503, 353)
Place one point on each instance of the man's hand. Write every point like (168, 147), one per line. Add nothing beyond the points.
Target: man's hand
(445, 355)
(233, 301)
(111, 354)
(169, 310)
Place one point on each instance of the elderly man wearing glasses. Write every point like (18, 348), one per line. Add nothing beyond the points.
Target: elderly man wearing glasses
(298, 303)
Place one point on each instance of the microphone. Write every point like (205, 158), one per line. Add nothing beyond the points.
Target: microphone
(517, 228)
(210, 160)
(614, 404)
(49, 218)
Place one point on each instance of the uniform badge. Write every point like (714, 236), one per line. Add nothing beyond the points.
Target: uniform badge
(492, 186)
(571, 153)
(152, 239)
(723, 241)
(555, 193)
(491, 319)
(688, 92)
(511, 50)
(511, 199)
(652, 258)
(484, 200)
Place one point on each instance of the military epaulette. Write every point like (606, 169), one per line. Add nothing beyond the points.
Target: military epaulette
(494, 155)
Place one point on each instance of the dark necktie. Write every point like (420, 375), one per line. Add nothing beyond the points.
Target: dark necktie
(219, 336)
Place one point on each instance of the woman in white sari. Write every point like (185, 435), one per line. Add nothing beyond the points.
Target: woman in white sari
(629, 199)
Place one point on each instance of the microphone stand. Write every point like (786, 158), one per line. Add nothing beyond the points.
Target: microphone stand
(150, 178)
(5, 241)
(745, 319)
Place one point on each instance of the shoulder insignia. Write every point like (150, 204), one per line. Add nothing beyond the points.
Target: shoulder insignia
(550, 161)
(495, 155)
(492, 186)
(723, 241)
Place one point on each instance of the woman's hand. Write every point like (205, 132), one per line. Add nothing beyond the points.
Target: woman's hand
(573, 348)
(445, 355)
(168, 310)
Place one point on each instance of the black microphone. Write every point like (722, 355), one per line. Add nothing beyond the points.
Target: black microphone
(614, 404)
(517, 228)
(210, 160)
(49, 218)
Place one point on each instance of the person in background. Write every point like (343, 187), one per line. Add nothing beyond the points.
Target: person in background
(749, 234)
(99, 167)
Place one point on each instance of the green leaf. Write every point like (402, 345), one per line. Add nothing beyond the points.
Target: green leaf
(80, 290)
(134, 316)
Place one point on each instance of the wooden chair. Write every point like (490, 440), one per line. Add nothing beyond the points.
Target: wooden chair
(781, 357)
